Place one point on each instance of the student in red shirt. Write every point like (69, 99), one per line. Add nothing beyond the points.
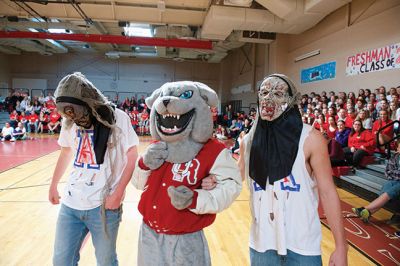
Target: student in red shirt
(33, 120)
(144, 122)
(383, 120)
(54, 121)
(351, 115)
(23, 119)
(331, 128)
(14, 119)
(361, 143)
(134, 115)
(214, 113)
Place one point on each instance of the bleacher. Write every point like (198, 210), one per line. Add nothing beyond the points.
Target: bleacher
(4, 117)
(366, 182)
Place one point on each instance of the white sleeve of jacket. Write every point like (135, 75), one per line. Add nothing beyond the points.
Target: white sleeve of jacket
(229, 185)
(140, 176)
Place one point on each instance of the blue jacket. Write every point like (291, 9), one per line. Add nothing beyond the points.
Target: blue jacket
(343, 137)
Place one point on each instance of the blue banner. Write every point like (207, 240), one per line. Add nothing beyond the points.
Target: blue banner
(321, 72)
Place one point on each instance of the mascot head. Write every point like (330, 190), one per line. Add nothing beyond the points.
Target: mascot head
(181, 116)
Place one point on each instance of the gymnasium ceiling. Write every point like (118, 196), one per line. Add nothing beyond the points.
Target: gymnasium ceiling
(180, 30)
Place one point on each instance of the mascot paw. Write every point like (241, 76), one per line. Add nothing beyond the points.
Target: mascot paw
(155, 155)
(181, 197)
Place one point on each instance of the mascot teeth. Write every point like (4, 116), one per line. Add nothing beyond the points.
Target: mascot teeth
(171, 124)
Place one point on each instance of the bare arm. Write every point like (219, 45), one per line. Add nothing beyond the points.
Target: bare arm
(317, 152)
(114, 200)
(241, 162)
(62, 163)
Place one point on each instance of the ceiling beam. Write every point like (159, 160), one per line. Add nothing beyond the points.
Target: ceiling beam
(98, 38)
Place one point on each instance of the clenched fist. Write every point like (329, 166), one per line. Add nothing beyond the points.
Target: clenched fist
(155, 155)
(181, 197)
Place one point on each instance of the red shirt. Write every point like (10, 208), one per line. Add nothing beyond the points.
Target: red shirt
(33, 118)
(22, 118)
(155, 204)
(378, 124)
(331, 134)
(13, 116)
(134, 117)
(54, 117)
(349, 122)
(50, 104)
(366, 139)
(144, 116)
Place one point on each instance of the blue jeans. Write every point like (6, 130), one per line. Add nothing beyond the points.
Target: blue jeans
(392, 188)
(271, 257)
(72, 227)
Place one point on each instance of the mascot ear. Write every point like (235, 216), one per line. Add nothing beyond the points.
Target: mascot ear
(208, 94)
(151, 99)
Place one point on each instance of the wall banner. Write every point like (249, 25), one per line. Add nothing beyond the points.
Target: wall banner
(321, 72)
(379, 59)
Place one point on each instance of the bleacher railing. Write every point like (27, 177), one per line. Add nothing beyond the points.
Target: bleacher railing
(387, 143)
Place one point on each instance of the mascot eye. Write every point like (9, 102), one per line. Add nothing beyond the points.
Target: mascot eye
(186, 95)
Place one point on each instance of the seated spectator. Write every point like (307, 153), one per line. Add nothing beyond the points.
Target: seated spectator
(331, 128)
(221, 133)
(373, 113)
(33, 121)
(18, 107)
(214, 112)
(236, 127)
(19, 132)
(387, 133)
(336, 154)
(143, 122)
(319, 123)
(342, 134)
(247, 125)
(55, 121)
(23, 119)
(37, 106)
(390, 190)
(43, 121)
(351, 115)
(134, 115)
(393, 107)
(14, 119)
(238, 141)
(7, 133)
(361, 143)
(363, 115)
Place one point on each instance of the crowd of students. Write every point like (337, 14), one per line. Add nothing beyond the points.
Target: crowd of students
(353, 123)
(39, 115)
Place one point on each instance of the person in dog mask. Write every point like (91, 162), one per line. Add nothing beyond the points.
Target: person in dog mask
(102, 143)
(286, 166)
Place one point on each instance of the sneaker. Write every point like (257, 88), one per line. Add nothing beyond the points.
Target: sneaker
(394, 220)
(397, 234)
(357, 211)
(12, 139)
(365, 214)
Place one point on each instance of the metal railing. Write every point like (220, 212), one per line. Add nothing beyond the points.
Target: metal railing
(387, 143)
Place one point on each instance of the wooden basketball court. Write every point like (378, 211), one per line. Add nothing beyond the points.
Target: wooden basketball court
(27, 220)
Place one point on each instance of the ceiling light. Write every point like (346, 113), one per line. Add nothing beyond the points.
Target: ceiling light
(307, 55)
(139, 30)
(59, 31)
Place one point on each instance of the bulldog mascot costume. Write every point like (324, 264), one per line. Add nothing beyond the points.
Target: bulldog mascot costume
(174, 207)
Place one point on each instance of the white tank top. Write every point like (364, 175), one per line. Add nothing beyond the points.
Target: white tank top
(285, 215)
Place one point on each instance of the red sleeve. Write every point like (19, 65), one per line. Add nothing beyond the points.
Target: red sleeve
(351, 142)
(368, 141)
(375, 126)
